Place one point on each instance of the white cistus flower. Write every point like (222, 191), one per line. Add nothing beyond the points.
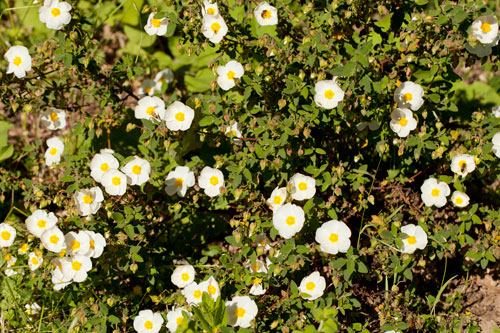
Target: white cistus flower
(313, 286)
(227, 73)
(485, 29)
(334, 237)
(54, 119)
(277, 198)
(214, 28)
(209, 8)
(55, 14)
(156, 26)
(148, 321)
(417, 238)
(496, 144)
(7, 235)
(150, 107)
(53, 240)
(55, 148)
(101, 163)
(328, 94)
(288, 220)
(211, 180)
(463, 164)
(234, 131)
(183, 276)
(460, 199)
(77, 243)
(303, 187)
(265, 14)
(434, 192)
(241, 310)
(179, 180)
(402, 122)
(88, 201)
(137, 171)
(19, 60)
(40, 221)
(148, 87)
(178, 116)
(114, 182)
(166, 76)
(409, 95)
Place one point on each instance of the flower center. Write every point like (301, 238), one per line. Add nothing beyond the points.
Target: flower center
(302, 186)
(41, 224)
(256, 281)
(23, 248)
(87, 199)
(104, 167)
(277, 199)
(179, 116)
(92, 244)
(17, 61)
(402, 122)
(55, 12)
(435, 192)
(179, 320)
(150, 110)
(230, 75)
(75, 245)
(411, 240)
(156, 23)
(255, 267)
(290, 220)
(76, 265)
(459, 201)
(486, 27)
(136, 169)
(211, 11)
(178, 182)
(116, 181)
(147, 90)
(233, 132)
(266, 14)
(197, 294)
(334, 238)
(54, 239)
(54, 116)
(214, 180)
(148, 324)
(240, 312)
(329, 94)
(310, 286)
(5, 235)
(462, 165)
(215, 27)
(34, 261)
(408, 97)
(212, 290)
(185, 276)
(53, 151)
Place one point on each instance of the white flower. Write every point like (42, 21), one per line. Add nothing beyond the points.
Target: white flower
(434, 192)
(417, 238)
(278, 197)
(234, 131)
(55, 14)
(402, 122)
(10, 261)
(372, 125)
(241, 310)
(53, 240)
(54, 119)
(32, 309)
(23, 249)
(88, 201)
(211, 180)
(175, 318)
(77, 243)
(114, 182)
(460, 199)
(257, 289)
(193, 292)
(55, 148)
(303, 187)
(178, 116)
(40, 221)
(214, 28)
(34, 261)
(313, 285)
(58, 278)
(328, 94)
(266, 14)
(209, 8)
(7, 235)
(19, 60)
(148, 87)
(333, 237)
(496, 144)
(258, 266)
(495, 112)
(462, 164)
(183, 275)
(211, 286)
(227, 73)
(149, 107)
(409, 95)
(179, 180)
(166, 76)
(288, 219)
(97, 243)
(156, 26)
(137, 171)
(148, 321)
(101, 163)
(76, 267)
(485, 29)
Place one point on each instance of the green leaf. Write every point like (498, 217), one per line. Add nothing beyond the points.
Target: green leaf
(384, 23)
